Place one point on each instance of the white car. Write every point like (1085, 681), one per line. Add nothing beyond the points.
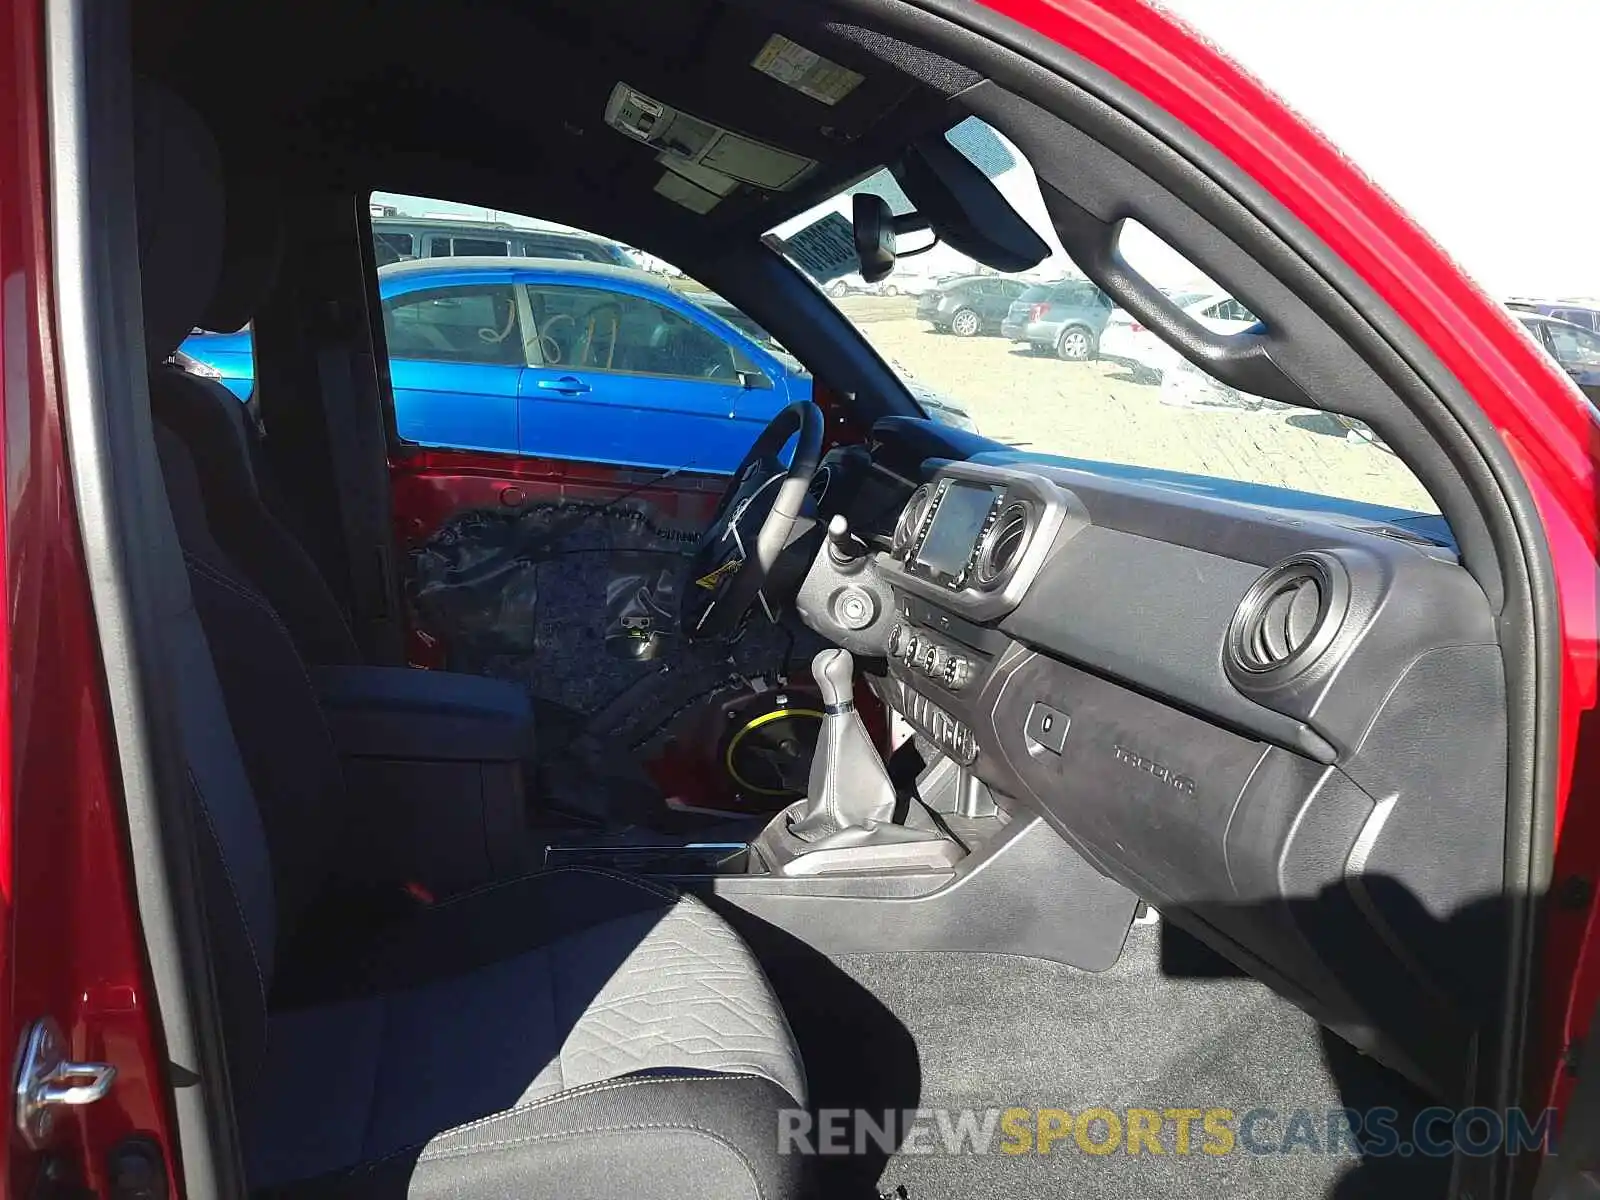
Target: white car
(1126, 340)
(895, 285)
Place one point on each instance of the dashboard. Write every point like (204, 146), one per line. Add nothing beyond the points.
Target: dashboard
(1284, 729)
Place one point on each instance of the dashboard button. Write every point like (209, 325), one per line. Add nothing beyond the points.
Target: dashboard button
(957, 672)
(1047, 727)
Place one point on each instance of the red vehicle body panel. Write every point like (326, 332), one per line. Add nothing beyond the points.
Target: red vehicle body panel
(70, 946)
(68, 941)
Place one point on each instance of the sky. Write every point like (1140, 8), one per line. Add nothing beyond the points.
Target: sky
(1473, 114)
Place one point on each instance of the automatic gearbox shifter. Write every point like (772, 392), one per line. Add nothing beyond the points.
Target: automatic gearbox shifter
(849, 785)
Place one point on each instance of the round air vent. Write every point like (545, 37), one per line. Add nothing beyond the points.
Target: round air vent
(911, 518)
(1288, 616)
(1003, 546)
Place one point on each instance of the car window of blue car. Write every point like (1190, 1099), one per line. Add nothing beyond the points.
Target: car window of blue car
(472, 323)
(1574, 346)
(596, 329)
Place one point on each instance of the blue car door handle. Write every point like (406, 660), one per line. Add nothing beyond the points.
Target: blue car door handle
(566, 385)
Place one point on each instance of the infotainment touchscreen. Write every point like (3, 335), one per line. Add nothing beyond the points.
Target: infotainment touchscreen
(947, 548)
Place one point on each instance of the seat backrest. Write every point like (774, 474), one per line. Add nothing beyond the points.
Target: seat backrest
(214, 427)
(224, 444)
(264, 777)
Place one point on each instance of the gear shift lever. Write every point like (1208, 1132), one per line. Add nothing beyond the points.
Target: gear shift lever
(849, 785)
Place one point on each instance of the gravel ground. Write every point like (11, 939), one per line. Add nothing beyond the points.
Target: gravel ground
(1098, 410)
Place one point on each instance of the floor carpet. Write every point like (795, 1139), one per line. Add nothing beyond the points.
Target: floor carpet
(1169, 1026)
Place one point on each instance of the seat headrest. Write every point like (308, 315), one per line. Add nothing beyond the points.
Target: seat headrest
(178, 182)
(252, 251)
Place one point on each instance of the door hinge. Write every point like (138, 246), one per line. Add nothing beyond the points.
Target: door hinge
(46, 1082)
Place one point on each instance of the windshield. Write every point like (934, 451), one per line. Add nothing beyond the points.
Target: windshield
(1054, 369)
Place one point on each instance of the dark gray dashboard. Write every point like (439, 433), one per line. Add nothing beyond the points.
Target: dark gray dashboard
(1286, 730)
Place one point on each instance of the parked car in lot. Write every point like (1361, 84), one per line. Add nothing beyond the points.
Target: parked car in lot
(1065, 318)
(1128, 341)
(399, 239)
(970, 304)
(559, 360)
(229, 358)
(1575, 348)
(895, 285)
(567, 360)
(1576, 312)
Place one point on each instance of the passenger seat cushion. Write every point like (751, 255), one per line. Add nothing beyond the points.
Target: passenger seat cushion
(693, 1137)
(550, 986)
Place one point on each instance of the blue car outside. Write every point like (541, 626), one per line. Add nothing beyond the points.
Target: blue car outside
(568, 360)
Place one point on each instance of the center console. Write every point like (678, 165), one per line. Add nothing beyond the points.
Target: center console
(974, 539)
(965, 549)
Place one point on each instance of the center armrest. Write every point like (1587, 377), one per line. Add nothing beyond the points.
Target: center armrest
(403, 713)
(434, 763)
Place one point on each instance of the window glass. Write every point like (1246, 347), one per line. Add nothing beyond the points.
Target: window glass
(477, 324)
(465, 246)
(600, 330)
(1574, 346)
(551, 248)
(1088, 383)
(391, 246)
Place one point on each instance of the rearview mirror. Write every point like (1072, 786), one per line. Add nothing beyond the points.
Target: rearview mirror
(873, 226)
(964, 208)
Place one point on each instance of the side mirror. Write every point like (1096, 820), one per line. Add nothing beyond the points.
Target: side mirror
(754, 381)
(874, 230)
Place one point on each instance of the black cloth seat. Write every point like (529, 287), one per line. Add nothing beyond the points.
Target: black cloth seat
(572, 1034)
(593, 1024)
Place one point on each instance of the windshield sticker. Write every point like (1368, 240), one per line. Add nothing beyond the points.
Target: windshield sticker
(825, 249)
(805, 71)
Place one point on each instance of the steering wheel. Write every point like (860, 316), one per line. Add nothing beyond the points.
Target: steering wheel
(751, 525)
(548, 346)
(608, 318)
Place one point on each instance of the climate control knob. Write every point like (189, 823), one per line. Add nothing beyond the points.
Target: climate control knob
(957, 672)
(913, 646)
(897, 635)
(932, 660)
